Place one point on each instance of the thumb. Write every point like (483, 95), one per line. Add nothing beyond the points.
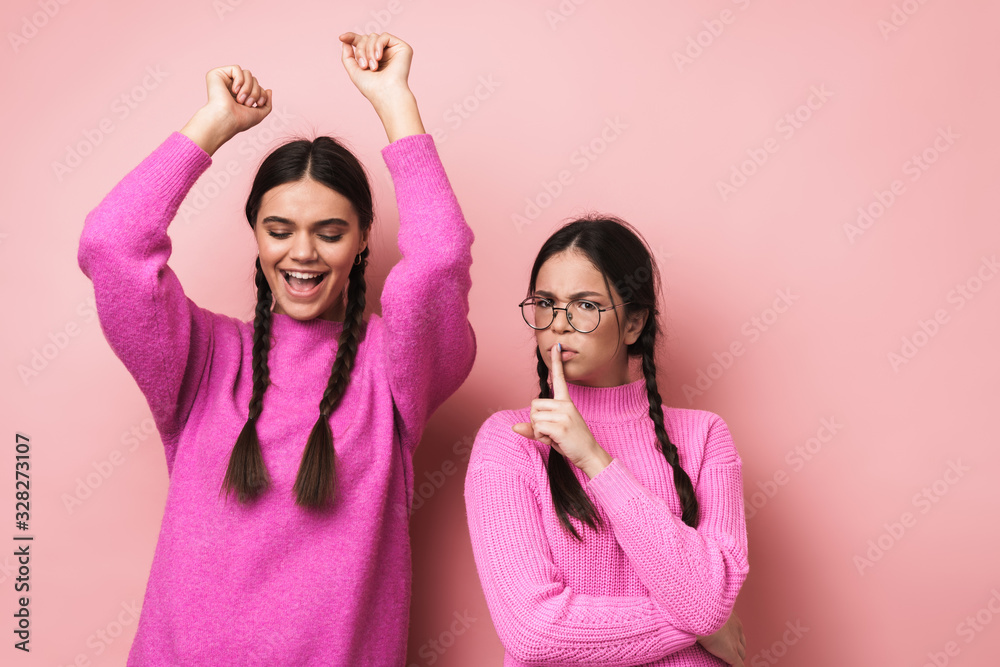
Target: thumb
(524, 428)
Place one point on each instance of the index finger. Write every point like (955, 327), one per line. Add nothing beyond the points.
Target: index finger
(559, 389)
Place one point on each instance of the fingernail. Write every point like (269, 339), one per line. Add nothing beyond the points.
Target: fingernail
(363, 62)
(560, 346)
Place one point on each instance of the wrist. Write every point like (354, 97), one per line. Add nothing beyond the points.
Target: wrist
(208, 130)
(598, 460)
(397, 109)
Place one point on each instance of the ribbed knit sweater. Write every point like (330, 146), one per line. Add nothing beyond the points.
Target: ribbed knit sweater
(636, 592)
(271, 583)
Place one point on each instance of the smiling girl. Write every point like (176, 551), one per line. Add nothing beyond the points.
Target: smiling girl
(607, 528)
(289, 439)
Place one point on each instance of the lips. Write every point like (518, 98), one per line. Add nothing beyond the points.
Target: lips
(300, 287)
(567, 353)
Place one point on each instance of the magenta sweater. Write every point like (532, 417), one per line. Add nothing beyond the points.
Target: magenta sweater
(272, 583)
(635, 593)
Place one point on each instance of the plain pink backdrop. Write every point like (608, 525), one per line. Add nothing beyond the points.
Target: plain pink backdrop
(544, 110)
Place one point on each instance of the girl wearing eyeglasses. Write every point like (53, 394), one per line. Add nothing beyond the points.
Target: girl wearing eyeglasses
(289, 439)
(607, 528)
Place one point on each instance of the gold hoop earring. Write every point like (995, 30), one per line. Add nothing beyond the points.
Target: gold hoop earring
(357, 259)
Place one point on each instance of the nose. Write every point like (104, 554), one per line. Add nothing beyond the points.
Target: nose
(303, 247)
(560, 325)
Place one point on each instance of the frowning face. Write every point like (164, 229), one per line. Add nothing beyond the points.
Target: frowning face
(598, 358)
(308, 236)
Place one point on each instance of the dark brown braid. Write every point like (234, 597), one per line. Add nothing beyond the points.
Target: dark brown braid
(685, 490)
(315, 483)
(246, 474)
(568, 495)
(622, 256)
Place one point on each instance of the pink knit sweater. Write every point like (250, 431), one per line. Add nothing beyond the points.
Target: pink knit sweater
(272, 583)
(635, 593)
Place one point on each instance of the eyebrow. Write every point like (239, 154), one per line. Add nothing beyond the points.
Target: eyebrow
(337, 222)
(578, 295)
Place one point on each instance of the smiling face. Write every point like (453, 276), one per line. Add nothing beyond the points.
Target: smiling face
(598, 358)
(307, 238)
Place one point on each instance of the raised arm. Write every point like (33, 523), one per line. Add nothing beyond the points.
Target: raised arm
(539, 619)
(160, 335)
(430, 344)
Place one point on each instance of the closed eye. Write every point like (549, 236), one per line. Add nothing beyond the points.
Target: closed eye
(285, 235)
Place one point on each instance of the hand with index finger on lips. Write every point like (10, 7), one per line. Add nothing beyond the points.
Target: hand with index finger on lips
(556, 422)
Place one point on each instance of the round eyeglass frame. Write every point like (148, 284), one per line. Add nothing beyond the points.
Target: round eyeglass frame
(565, 309)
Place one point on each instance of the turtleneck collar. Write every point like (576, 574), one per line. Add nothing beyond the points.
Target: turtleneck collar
(287, 329)
(622, 402)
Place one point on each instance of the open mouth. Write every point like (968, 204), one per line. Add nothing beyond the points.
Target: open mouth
(303, 283)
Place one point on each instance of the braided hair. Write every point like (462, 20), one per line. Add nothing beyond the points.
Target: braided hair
(329, 162)
(620, 253)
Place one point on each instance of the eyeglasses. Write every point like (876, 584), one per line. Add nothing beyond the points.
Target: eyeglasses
(582, 315)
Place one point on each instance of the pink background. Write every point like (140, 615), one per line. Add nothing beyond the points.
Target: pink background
(677, 129)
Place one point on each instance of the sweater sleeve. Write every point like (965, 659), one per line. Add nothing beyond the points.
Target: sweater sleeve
(430, 343)
(160, 335)
(695, 575)
(539, 619)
